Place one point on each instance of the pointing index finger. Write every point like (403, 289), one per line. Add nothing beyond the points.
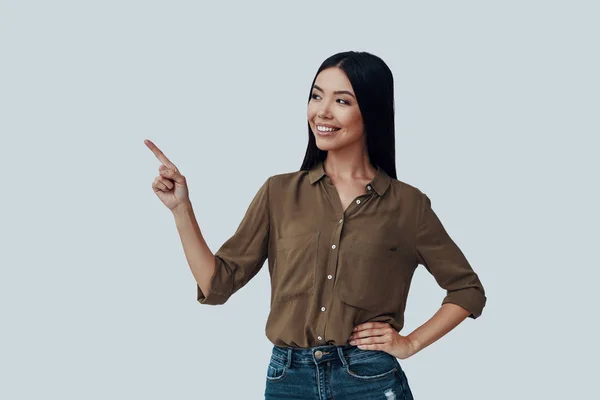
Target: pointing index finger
(159, 154)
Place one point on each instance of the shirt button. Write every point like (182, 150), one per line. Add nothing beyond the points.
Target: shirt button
(329, 276)
(319, 337)
(322, 308)
(341, 221)
(357, 201)
(333, 246)
(368, 187)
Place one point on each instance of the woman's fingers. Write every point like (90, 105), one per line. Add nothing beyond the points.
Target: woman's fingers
(168, 183)
(160, 155)
(172, 174)
(158, 186)
(162, 184)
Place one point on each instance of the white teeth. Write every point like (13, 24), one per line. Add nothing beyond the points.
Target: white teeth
(325, 129)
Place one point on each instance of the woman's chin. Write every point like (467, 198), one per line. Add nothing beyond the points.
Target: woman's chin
(325, 145)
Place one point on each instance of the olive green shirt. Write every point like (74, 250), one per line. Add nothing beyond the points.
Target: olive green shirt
(332, 269)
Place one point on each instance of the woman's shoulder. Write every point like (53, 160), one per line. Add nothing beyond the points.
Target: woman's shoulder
(403, 188)
(283, 179)
(288, 175)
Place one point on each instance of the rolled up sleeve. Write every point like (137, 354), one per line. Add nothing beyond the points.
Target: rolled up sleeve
(241, 257)
(440, 255)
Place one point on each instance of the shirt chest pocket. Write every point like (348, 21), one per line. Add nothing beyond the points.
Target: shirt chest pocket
(371, 277)
(295, 266)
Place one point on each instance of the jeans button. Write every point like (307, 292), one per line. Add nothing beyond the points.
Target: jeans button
(318, 354)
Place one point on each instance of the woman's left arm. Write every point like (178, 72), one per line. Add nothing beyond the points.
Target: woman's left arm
(465, 295)
(443, 321)
(442, 257)
(381, 336)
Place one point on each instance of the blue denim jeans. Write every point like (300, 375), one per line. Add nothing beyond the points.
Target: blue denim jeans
(334, 373)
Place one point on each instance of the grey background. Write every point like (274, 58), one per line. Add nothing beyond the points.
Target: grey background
(497, 121)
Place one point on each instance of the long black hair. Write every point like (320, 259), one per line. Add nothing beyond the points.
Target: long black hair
(373, 85)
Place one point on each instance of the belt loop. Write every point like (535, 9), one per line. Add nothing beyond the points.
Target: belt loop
(289, 357)
(341, 354)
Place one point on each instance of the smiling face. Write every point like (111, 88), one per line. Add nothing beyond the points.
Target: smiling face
(333, 112)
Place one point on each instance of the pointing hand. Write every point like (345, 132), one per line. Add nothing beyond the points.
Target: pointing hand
(170, 185)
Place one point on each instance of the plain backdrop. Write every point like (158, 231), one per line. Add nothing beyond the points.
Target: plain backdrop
(497, 120)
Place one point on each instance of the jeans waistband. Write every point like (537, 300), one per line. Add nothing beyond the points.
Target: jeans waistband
(319, 354)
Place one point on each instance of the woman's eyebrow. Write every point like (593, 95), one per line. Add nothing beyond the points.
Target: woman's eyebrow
(336, 92)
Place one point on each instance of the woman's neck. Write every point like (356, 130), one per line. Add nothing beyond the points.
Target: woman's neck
(348, 166)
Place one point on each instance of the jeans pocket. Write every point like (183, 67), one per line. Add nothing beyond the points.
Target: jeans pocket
(371, 367)
(276, 370)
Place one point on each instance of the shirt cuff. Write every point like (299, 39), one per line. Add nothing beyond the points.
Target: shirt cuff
(212, 298)
(471, 299)
(220, 286)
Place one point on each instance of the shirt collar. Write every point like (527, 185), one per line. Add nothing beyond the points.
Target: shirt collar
(380, 183)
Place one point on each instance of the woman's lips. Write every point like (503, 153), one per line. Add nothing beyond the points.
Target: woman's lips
(327, 133)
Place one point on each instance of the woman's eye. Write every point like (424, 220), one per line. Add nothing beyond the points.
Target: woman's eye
(314, 96)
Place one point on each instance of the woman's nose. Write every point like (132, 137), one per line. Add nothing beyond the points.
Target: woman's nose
(323, 112)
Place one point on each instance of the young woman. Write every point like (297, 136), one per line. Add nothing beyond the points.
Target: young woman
(343, 237)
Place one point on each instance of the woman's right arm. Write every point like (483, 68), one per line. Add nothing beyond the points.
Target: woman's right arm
(199, 257)
(171, 188)
(238, 260)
